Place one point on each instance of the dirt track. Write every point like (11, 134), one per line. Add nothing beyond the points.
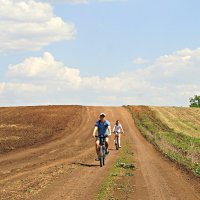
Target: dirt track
(65, 168)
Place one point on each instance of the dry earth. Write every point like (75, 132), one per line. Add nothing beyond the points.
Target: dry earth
(61, 165)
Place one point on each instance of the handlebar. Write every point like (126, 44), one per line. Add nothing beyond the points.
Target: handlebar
(118, 132)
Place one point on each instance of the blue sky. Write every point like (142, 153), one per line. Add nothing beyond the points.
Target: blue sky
(127, 30)
(99, 52)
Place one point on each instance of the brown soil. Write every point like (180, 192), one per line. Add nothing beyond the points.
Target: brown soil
(63, 167)
(26, 126)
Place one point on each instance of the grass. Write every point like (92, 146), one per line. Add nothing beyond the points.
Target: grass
(185, 120)
(116, 184)
(178, 146)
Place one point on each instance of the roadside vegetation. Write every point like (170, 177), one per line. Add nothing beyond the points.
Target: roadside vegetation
(117, 184)
(173, 131)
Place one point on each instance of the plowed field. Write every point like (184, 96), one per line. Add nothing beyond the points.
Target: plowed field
(48, 153)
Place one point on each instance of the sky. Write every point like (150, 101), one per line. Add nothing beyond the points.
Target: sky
(99, 52)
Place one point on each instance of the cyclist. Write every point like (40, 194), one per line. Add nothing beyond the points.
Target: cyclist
(117, 129)
(103, 128)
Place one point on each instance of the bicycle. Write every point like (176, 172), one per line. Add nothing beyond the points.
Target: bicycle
(102, 149)
(116, 140)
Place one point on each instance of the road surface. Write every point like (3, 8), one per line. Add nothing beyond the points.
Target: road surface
(65, 168)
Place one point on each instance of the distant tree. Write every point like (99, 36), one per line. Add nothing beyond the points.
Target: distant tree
(195, 101)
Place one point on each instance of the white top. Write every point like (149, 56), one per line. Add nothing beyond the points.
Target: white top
(117, 128)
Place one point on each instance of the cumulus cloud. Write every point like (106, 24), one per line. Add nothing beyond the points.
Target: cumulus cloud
(169, 80)
(179, 65)
(20, 88)
(45, 69)
(20, 93)
(140, 61)
(30, 25)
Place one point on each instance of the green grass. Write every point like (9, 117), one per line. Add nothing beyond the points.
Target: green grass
(181, 119)
(181, 148)
(118, 176)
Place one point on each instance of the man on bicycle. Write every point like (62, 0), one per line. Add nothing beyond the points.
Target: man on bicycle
(117, 129)
(103, 128)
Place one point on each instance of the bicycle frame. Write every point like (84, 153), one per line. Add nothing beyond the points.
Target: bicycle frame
(117, 140)
(102, 150)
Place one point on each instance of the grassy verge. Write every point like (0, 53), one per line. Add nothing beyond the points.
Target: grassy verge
(116, 184)
(181, 148)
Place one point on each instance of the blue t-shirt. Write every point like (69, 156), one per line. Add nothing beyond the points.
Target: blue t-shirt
(102, 127)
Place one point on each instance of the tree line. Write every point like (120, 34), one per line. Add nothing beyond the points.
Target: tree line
(195, 101)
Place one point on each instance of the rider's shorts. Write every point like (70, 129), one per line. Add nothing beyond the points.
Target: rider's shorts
(97, 138)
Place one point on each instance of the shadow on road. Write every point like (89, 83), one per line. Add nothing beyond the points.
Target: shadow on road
(112, 149)
(86, 165)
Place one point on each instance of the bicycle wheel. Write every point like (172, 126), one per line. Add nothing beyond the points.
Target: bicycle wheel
(117, 143)
(104, 155)
(101, 156)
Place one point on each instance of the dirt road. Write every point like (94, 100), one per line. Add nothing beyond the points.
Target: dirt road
(65, 168)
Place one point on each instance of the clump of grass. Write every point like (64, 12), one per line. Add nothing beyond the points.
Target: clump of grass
(123, 167)
(181, 148)
(126, 165)
(197, 170)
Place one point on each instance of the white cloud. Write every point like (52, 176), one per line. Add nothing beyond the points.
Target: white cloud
(30, 25)
(140, 61)
(20, 88)
(170, 80)
(45, 69)
(21, 94)
(179, 65)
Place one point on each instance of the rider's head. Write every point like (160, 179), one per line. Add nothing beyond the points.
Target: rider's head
(117, 122)
(102, 116)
